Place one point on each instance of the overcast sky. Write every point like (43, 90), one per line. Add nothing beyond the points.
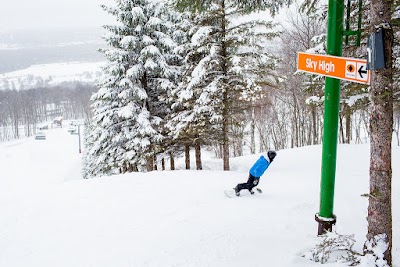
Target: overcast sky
(39, 14)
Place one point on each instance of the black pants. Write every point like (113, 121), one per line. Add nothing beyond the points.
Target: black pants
(251, 182)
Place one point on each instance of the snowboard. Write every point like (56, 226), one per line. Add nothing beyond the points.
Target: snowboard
(231, 192)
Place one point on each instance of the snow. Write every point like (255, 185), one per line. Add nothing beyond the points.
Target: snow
(379, 249)
(53, 73)
(50, 216)
(353, 99)
(314, 100)
(128, 40)
(200, 35)
(150, 50)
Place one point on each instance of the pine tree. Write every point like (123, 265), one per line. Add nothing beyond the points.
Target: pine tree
(244, 5)
(226, 65)
(130, 106)
(182, 123)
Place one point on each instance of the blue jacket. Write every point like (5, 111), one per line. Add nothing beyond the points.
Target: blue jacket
(259, 167)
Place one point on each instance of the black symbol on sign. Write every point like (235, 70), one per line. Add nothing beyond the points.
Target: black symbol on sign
(361, 71)
(350, 68)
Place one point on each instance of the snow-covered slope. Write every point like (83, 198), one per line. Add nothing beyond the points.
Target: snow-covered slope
(51, 74)
(49, 216)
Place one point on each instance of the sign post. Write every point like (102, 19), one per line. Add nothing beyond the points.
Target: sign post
(325, 218)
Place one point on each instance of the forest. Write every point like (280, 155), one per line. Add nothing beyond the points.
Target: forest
(22, 112)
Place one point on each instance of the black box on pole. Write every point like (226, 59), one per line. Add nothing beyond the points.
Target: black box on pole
(376, 53)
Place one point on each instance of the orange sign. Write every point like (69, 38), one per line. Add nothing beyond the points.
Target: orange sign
(344, 68)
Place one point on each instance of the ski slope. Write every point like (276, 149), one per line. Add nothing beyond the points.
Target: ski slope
(50, 216)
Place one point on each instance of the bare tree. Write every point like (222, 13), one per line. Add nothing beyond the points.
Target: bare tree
(303, 100)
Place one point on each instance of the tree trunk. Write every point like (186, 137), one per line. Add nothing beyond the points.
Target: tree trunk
(341, 136)
(129, 167)
(261, 139)
(296, 121)
(225, 100)
(314, 125)
(198, 157)
(348, 124)
(172, 161)
(252, 132)
(381, 127)
(149, 163)
(225, 145)
(155, 163)
(187, 157)
(16, 128)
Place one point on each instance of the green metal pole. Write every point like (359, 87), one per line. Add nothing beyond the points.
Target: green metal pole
(325, 217)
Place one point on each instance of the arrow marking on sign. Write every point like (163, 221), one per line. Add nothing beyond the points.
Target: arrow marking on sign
(361, 71)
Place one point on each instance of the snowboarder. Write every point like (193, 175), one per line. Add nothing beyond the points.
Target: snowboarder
(256, 171)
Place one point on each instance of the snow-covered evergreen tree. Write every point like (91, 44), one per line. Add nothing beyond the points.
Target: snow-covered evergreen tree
(244, 5)
(172, 145)
(226, 65)
(188, 123)
(130, 106)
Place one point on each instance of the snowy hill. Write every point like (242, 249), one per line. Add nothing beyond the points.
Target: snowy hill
(51, 217)
(39, 57)
(51, 74)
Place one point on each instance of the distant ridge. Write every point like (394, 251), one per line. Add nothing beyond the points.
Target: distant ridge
(51, 74)
(22, 49)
